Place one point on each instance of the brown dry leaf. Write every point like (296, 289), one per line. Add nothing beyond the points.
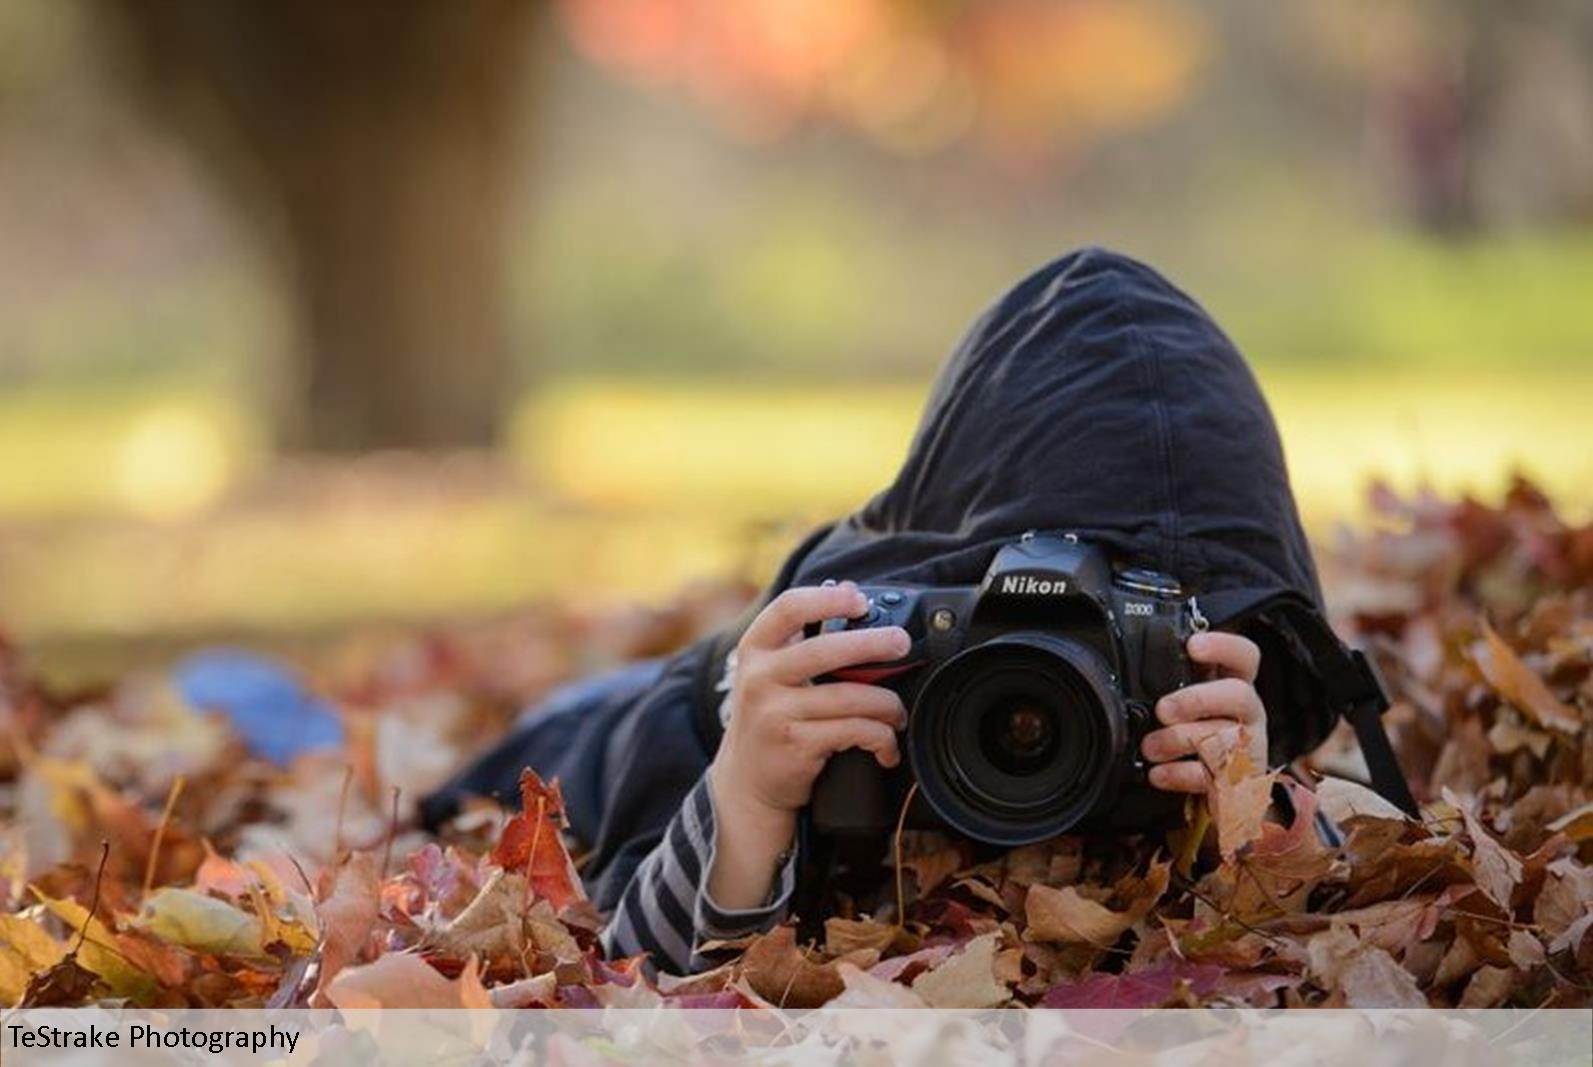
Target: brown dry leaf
(493, 924)
(1342, 800)
(965, 980)
(1064, 915)
(348, 916)
(1393, 924)
(1519, 684)
(1567, 890)
(933, 868)
(779, 972)
(1488, 987)
(1498, 870)
(1364, 975)
(842, 936)
(1239, 798)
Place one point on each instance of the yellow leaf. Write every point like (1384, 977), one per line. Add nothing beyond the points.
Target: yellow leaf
(205, 924)
(25, 949)
(99, 953)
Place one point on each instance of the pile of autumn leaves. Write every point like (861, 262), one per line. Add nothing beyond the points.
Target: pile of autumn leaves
(243, 890)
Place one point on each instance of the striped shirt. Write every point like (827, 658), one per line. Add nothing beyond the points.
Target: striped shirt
(667, 911)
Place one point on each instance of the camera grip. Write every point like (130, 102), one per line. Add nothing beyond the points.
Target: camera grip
(849, 795)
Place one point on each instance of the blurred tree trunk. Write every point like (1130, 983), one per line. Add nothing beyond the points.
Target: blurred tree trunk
(372, 141)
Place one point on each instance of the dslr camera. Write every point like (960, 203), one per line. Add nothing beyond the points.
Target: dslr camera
(1027, 698)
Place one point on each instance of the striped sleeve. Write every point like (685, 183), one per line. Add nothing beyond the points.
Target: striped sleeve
(666, 910)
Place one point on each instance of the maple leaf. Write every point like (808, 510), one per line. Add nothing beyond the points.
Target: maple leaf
(533, 842)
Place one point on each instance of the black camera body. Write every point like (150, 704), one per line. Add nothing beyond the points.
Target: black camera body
(1028, 696)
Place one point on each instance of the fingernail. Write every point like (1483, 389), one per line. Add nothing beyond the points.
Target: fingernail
(902, 643)
(1165, 707)
(1197, 644)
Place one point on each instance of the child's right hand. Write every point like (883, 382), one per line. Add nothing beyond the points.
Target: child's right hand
(783, 730)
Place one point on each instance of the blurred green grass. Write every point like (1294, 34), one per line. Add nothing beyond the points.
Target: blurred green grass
(147, 507)
(608, 491)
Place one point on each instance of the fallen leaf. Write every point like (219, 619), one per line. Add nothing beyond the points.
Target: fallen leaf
(25, 949)
(1519, 684)
(348, 916)
(778, 970)
(931, 869)
(1149, 988)
(1064, 915)
(864, 990)
(966, 979)
(202, 923)
(1342, 800)
(491, 925)
(404, 980)
(1498, 870)
(1239, 798)
(1366, 976)
(533, 843)
(1488, 987)
(848, 935)
(1576, 825)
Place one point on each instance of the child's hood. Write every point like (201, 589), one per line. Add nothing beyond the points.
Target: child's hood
(1097, 398)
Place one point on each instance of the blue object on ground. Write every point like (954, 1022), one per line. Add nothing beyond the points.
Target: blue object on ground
(268, 706)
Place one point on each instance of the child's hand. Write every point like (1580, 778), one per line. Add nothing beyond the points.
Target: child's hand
(783, 730)
(1221, 714)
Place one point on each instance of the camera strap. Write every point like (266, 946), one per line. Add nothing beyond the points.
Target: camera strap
(1351, 682)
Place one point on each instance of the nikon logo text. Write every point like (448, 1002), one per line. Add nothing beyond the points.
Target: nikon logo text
(1027, 586)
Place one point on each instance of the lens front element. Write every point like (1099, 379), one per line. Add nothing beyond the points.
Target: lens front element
(1014, 740)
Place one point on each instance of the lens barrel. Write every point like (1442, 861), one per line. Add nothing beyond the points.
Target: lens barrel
(1015, 740)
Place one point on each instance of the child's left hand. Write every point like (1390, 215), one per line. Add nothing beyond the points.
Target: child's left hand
(1222, 715)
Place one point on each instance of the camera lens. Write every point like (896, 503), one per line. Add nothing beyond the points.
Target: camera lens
(1014, 740)
(1018, 734)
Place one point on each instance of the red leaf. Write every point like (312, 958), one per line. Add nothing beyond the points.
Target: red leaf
(1149, 988)
(533, 842)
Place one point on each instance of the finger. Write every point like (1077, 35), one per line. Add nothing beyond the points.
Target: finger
(824, 653)
(850, 700)
(1226, 698)
(1232, 655)
(1186, 738)
(784, 616)
(1181, 776)
(825, 737)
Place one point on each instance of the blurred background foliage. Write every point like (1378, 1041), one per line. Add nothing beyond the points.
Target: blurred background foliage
(313, 314)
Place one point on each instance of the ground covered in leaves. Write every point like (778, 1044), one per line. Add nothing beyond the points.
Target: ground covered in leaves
(147, 857)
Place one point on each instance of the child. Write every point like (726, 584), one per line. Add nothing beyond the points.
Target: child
(1093, 398)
